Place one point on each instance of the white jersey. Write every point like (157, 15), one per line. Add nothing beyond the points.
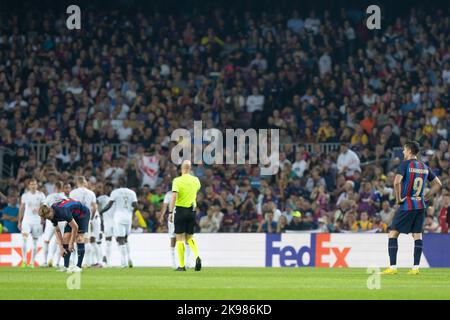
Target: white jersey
(32, 203)
(54, 197)
(102, 203)
(85, 196)
(122, 207)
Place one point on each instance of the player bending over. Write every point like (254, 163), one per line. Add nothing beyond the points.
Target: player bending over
(87, 198)
(123, 202)
(171, 231)
(29, 220)
(49, 232)
(77, 217)
(409, 188)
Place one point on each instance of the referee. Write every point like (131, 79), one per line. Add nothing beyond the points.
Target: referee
(183, 203)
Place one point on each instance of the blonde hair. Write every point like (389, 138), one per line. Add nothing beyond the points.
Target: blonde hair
(44, 211)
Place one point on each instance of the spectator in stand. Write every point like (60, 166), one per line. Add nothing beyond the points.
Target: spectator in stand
(348, 161)
(363, 223)
(10, 215)
(387, 212)
(209, 223)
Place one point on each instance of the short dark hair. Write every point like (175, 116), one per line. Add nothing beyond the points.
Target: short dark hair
(413, 146)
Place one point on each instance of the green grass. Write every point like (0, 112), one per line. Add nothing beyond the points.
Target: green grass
(222, 283)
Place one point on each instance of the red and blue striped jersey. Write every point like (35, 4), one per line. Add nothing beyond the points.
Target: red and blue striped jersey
(415, 173)
(68, 209)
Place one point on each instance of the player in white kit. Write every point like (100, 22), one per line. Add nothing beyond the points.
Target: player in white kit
(87, 197)
(29, 219)
(171, 230)
(123, 202)
(49, 232)
(107, 218)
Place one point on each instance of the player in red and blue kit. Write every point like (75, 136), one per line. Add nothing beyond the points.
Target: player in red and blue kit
(77, 217)
(409, 185)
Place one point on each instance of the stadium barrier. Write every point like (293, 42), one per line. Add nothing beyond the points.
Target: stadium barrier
(266, 250)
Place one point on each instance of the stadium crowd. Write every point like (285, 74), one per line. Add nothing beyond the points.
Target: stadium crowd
(130, 80)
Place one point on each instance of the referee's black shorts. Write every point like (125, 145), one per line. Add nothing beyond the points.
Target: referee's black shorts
(184, 220)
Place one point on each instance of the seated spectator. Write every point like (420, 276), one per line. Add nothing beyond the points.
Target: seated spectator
(387, 212)
(282, 224)
(209, 223)
(267, 225)
(297, 222)
(363, 224)
(10, 215)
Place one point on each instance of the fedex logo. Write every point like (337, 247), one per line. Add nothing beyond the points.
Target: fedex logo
(11, 251)
(314, 253)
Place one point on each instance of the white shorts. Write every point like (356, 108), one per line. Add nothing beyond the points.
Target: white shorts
(33, 228)
(50, 229)
(108, 227)
(122, 229)
(171, 229)
(94, 228)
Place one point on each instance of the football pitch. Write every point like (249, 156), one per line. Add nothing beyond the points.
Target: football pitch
(222, 283)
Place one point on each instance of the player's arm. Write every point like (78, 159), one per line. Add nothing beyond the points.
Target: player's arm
(398, 188)
(162, 213)
(173, 201)
(93, 208)
(21, 211)
(59, 240)
(73, 235)
(436, 185)
(107, 207)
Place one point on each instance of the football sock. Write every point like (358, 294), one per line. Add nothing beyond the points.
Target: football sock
(180, 249)
(45, 246)
(193, 245)
(24, 250)
(123, 255)
(33, 253)
(418, 245)
(108, 251)
(66, 256)
(98, 250)
(172, 251)
(393, 248)
(127, 246)
(81, 250)
(88, 252)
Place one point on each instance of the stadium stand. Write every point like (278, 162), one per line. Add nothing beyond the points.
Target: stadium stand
(102, 102)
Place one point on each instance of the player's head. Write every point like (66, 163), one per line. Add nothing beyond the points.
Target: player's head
(81, 181)
(411, 149)
(67, 188)
(46, 212)
(59, 186)
(186, 166)
(99, 188)
(32, 185)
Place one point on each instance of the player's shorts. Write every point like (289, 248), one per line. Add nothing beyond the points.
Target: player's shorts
(82, 222)
(32, 227)
(108, 227)
(95, 228)
(50, 229)
(411, 221)
(122, 229)
(184, 220)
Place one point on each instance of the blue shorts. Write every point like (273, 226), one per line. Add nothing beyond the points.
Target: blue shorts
(82, 221)
(408, 221)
